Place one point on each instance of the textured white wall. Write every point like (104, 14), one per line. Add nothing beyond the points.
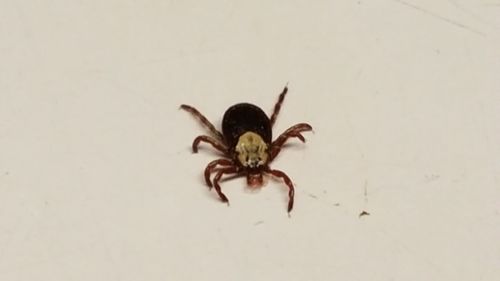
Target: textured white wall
(97, 181)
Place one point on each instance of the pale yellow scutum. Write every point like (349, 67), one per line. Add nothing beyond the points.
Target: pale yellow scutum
(251, 150)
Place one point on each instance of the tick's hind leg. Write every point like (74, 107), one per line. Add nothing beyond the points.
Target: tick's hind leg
(215, 143)
(229, 170)
(294, 131)
(288, 182)
(277, 106)
(212, 166)
(203, 120)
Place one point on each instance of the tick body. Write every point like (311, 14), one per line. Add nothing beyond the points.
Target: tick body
(247, 145)
(244, 117)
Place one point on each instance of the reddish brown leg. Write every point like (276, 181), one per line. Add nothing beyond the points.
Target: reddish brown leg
(291, 190)
(294, 131)
(230, 170)
(203, 120)
(277, 106)
(212, 165)
(215, 143)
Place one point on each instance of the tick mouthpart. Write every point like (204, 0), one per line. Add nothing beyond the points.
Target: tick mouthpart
(251, 150)
(255, 180)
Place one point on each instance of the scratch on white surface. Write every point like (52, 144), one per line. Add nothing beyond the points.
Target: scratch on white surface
(312, 196)
(365, 195)
(437, 16)
(366, 191)
(321, 199)
(258, 223)
(471, 14)
(431, 178)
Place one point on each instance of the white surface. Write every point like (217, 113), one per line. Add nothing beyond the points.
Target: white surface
(97, 181)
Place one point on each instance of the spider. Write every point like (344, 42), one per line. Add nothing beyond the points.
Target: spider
(247, 145)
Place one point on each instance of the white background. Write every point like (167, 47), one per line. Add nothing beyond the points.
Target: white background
(97, 180)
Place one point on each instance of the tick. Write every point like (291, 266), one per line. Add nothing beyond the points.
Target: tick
(247, 145)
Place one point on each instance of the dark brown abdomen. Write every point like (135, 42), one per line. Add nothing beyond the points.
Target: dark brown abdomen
(244, 117)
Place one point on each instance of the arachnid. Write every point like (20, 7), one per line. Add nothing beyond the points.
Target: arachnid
(247, 144)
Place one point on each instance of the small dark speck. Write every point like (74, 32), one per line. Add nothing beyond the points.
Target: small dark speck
(364, 213)
(6, 173)
(336, 204)
(257, 223)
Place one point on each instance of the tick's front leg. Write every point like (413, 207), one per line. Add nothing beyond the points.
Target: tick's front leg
(294, 131)
(277, 106)
(203, 120)
(215, 143)
(211, 167)
(288, 182)
(230, 170)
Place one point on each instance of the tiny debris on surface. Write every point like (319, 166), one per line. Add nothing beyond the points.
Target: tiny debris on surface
(312, 196)
(366, 191)
(364, 213)
(431, 178)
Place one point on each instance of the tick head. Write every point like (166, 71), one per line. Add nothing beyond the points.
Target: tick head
(251, 150)
(255, 179)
